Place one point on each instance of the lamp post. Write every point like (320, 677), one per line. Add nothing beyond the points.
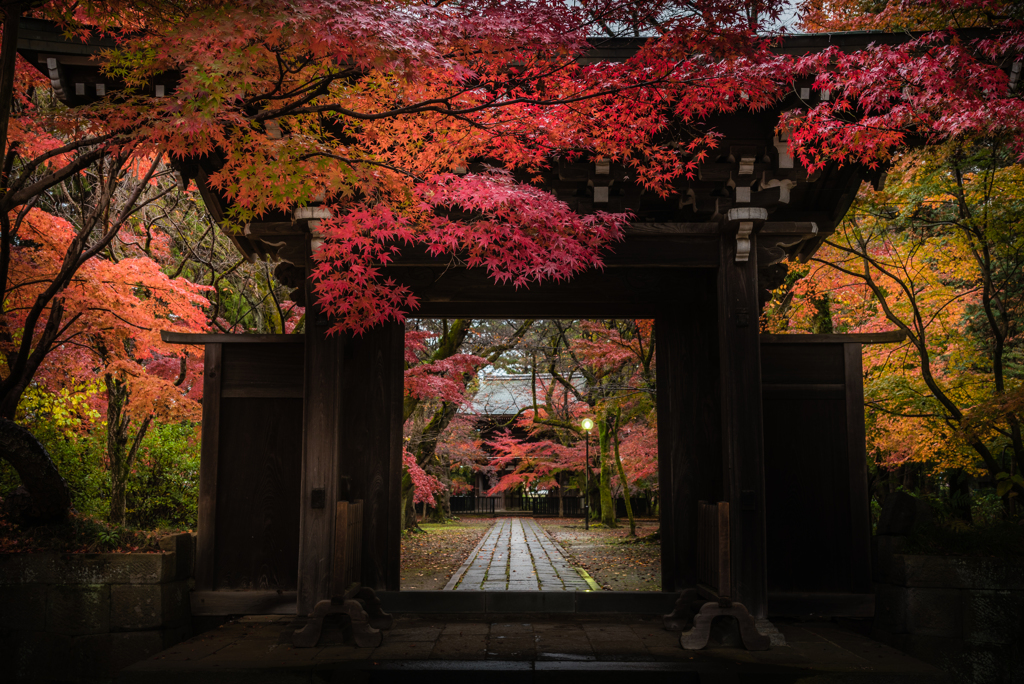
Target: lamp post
(587, 425)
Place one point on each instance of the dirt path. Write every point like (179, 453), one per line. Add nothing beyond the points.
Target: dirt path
(613, 564)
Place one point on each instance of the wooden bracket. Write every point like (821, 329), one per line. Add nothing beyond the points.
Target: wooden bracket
(743, 241)
(365, 617)
(747, 219)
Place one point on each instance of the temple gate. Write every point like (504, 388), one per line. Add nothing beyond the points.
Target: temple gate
(770, 425)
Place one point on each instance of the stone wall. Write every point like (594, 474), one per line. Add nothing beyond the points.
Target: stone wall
(83, 617)
(965, 615)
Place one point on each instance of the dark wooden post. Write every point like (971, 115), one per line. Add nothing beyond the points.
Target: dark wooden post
(742, 441)
(370, 436)
(860, 512)
(689, 437)
(207, 524)
(320, 452)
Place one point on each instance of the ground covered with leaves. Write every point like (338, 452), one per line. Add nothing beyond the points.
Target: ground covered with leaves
(431, 557)
(80, 534)
(613, 561)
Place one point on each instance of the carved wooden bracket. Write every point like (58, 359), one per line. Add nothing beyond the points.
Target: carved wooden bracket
(747, 219)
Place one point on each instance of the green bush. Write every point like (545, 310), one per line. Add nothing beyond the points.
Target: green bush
(163, 490)
(163, 487)
(80, 459)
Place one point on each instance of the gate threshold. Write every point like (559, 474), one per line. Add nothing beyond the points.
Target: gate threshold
(511, 602)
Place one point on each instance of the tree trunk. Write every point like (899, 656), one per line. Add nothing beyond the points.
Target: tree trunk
(44, 496)
(561, 501)
(624, 481)
(408, 507)
(442, 510)
(605, 482)
(121, 456)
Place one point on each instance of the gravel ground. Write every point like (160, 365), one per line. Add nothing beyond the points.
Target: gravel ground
(612, 562)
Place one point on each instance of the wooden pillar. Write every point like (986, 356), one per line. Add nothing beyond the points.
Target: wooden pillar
(207, 524)
(322, 410)
(370, 436)
(860, 511)
(742, 441)
(689, 460)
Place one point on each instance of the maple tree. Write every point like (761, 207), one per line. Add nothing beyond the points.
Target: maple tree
(386, 110)
(115, 308)
(442, 359)
(373, 122)
(603, 369)
(938, 255)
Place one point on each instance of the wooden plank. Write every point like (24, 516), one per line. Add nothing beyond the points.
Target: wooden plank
(356, 534)
(207, 517)
(724, 547)
(195, 338)
(258, 498)
(319, 460)
(371, 448)
(788, 228)
(860, 511)
(243, 602)
(807, 493)
(798, 390)
(742, 444)
(887, 337)
(689, 436)
(262, 370)
(264, 392)
(798, 364)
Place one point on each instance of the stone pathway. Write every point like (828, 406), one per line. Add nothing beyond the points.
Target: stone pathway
(516, 554)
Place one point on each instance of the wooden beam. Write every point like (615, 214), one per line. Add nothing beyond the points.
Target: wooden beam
(703, 228)
(207, 520)
(800, 390)
(243, 602)
(885, 337)
(195, 338)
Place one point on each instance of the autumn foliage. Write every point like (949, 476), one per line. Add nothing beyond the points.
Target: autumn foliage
(428, 128)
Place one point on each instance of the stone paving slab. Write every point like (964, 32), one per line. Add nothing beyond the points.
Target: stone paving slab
(516, 554)
(256, 650)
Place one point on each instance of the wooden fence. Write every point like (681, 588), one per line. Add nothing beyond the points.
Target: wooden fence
(572, 506)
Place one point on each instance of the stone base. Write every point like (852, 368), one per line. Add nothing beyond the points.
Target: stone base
(764, 627)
